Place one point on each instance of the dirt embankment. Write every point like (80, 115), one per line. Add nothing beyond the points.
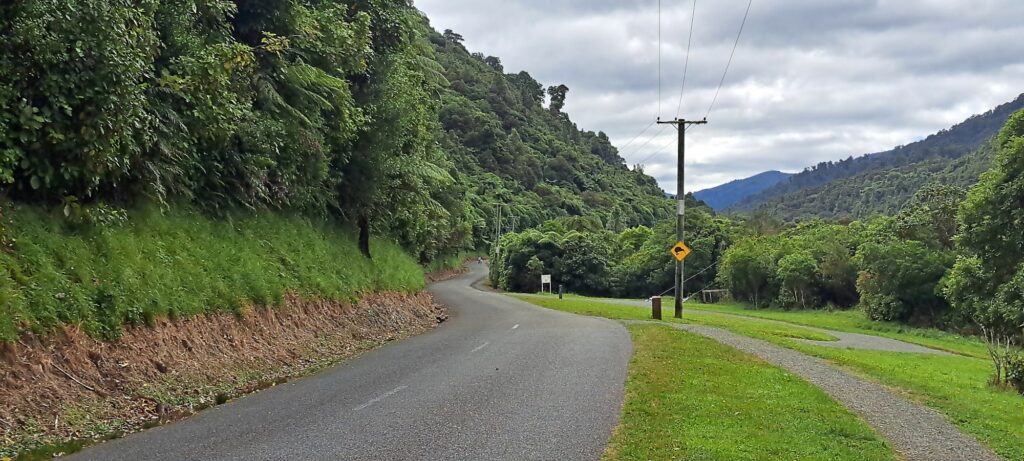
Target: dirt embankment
(69, 386)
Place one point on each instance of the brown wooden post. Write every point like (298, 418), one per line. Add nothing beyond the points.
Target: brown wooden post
(656, 307)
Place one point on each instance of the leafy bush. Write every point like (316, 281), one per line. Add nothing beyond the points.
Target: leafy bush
(588, 259)
(797, 272)
(1015, 371)
(748, 271)
(899, 279)
(73, 115)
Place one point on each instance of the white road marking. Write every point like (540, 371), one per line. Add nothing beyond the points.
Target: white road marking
(516, 326)
(479, 347)
(379, 398)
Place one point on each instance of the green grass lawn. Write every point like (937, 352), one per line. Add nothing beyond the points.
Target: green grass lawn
(854, 321)
(751, 327)
(688, 397)
(957, 386)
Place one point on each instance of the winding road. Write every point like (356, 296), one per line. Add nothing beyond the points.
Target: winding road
(501, 379)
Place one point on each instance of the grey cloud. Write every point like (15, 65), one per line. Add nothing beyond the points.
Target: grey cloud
(811, 81)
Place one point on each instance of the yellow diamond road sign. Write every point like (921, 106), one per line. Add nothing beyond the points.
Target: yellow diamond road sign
(680, 251)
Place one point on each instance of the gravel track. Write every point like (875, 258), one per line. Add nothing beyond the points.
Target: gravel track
(915, 431)
(844, 340)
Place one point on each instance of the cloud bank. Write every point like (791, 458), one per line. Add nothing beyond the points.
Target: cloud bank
(810, 81)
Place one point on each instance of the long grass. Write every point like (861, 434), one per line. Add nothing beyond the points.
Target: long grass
(178, 263)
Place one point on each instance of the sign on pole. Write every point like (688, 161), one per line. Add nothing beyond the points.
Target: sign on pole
(545, 279)
(680, 251)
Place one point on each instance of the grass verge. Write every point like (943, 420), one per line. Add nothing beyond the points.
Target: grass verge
(854, 321)
(688, 397)
(750, 327)
(851, 321)
(956, 386)
(178, 263)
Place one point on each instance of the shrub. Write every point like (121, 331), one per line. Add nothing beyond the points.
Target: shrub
(1015, 371)
(899, 279)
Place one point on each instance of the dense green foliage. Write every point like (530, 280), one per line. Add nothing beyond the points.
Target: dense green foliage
(879, 192)
(146, 265)
(881, 183)
(805, 266)
(352, 112)
(293, 105)
(591, 257)
(532, 160)
(891, 266)
(987, 282)
(898, 280)
(353, 108)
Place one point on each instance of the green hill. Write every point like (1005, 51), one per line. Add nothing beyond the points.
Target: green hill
(882, 182)
(338, 120)
(510, 149)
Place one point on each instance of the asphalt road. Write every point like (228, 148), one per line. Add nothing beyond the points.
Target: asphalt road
(501, 379)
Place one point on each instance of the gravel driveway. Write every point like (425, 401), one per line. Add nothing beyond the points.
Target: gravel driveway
(845, 340)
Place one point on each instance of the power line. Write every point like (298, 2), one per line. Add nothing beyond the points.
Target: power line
(655, 153)
(649, 139)
(666, 146)
(693, 277)
(623, 148)
(686, 65)
(728, 63)
(659, 58)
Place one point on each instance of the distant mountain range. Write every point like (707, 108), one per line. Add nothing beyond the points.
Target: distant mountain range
(732, 192)
(873, 183)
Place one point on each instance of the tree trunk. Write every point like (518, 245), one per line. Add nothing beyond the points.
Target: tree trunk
(364, 235)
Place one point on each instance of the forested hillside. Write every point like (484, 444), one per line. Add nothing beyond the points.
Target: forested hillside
(879, 192)
(882, 182)
(510, 149)
(353, 114)
(725, 195)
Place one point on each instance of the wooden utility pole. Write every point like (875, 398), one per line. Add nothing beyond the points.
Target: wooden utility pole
(680, 125)
(497, 229)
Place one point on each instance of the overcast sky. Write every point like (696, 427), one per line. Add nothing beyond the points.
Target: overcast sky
(812, 80)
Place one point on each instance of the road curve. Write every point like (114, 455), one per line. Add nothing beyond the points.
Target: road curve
(501, 379)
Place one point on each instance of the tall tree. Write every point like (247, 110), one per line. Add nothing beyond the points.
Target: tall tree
(557, 95)
(987, 282)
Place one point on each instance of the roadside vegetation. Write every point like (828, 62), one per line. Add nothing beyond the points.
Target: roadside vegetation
(688, 397)
(148, 264)
(954, 385)
(354, 114)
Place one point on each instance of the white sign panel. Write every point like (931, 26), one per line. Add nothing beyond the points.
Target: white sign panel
(545, 278)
